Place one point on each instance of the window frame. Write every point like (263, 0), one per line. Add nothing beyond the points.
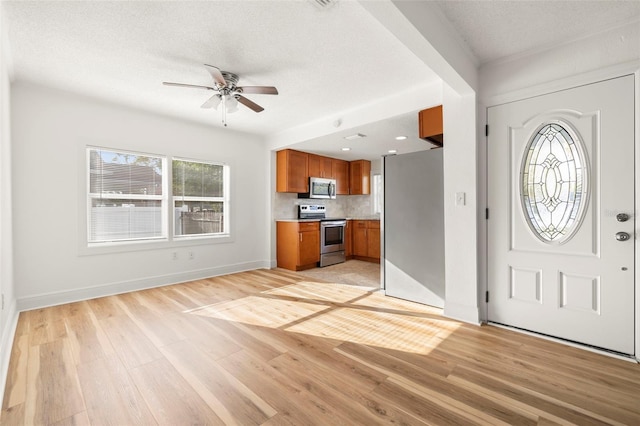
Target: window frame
(168, 240)
(225, 199)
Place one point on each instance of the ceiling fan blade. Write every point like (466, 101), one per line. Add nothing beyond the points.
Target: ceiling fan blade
(249, 104)
(193, 86)
(259, 90)
(217, 75)
(212, 102)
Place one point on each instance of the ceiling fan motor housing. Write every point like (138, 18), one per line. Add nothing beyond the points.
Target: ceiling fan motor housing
(232, 81)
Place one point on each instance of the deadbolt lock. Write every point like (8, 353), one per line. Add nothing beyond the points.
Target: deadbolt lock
(622, 217)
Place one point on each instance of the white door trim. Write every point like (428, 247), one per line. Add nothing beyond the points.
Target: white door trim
(606, 73)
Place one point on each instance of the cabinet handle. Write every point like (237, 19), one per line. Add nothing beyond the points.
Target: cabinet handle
(301, 237)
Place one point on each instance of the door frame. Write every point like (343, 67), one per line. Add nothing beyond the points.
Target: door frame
(631, 68)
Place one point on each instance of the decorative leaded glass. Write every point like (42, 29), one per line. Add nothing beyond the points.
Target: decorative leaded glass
(554, 182)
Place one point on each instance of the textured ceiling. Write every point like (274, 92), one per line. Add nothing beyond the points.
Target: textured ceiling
(323, 61)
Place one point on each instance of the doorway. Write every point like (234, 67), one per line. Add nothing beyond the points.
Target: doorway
(561, 229)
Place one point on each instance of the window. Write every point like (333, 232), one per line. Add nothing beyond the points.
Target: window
(128, 197)
(199, 197)
(125, 196)
(554, 182)
(376, 194)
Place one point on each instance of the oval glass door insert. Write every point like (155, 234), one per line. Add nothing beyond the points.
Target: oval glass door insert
(554, 182)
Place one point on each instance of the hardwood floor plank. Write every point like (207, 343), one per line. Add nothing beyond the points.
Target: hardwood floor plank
(274, 347)
(80, 419)
(170, 397)
(129, 342)
(514, 394)
(56, 391)
(14, 415)
(292, 402)
(110, 395)
(105, 307)
(230, 399)
(17, 373)
(338, 392)
(436, 388)
(87, 339)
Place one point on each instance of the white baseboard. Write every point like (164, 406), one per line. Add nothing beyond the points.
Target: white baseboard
(58, 298)
(464, 313)
(6, 346)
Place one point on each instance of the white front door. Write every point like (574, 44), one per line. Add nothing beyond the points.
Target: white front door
(561, 205)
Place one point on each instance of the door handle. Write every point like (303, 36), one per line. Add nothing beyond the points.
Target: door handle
(622, 217)
(622, 236)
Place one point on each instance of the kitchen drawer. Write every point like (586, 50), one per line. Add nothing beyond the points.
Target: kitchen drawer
(360, 223)
(308, 226)
(373, 224)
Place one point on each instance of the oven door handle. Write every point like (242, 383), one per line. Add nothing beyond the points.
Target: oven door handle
(333, 223)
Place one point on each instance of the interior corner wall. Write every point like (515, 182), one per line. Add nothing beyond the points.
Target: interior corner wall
(8, 314)
(51, 130)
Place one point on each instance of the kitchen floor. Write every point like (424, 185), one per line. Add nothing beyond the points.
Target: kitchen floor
(352, 272)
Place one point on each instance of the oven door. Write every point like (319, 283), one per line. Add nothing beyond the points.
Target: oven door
(332, 236)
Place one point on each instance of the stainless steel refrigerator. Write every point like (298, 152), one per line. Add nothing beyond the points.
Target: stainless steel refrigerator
(413, 225)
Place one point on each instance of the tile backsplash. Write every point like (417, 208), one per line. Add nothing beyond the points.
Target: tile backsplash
(285, 206)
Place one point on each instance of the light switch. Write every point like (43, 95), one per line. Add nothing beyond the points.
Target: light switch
(460, 199)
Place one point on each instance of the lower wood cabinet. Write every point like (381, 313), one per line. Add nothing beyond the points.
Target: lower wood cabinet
(366, 240)
(298, 245)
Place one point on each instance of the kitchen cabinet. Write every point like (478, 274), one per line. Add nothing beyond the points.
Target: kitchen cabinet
(348, 239)
(341, 175)
(297, 245)
(320, 166)
(292, 171)
(366, 240)
(430, 126)
(360, 177)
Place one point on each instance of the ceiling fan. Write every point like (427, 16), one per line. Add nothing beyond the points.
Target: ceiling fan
(228, 92)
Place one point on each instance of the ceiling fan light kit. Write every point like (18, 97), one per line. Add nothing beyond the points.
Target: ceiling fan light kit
(229, 94)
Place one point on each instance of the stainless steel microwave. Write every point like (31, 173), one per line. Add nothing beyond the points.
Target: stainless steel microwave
(320, 188)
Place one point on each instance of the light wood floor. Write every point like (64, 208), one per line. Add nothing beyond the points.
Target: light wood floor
(270, 348)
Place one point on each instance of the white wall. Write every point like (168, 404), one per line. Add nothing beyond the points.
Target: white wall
(50, 132)
(419, 25)
(518, 75)
(8, 315)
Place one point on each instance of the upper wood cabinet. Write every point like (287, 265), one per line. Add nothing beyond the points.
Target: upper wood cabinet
(294, 168)
(292, 171)
(430, 125)
(360, 177)
(341, 175)
(320, 166)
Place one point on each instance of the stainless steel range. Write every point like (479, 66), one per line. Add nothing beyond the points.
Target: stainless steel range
(331, 233)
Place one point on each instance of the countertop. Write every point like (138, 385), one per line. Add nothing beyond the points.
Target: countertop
(330, 218)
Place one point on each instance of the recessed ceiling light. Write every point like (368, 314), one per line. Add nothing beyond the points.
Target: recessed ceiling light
(400, 138)
(392, 151)
(356, 136)
(346, 149)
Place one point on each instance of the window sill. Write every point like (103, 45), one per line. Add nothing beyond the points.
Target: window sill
(157, 244)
